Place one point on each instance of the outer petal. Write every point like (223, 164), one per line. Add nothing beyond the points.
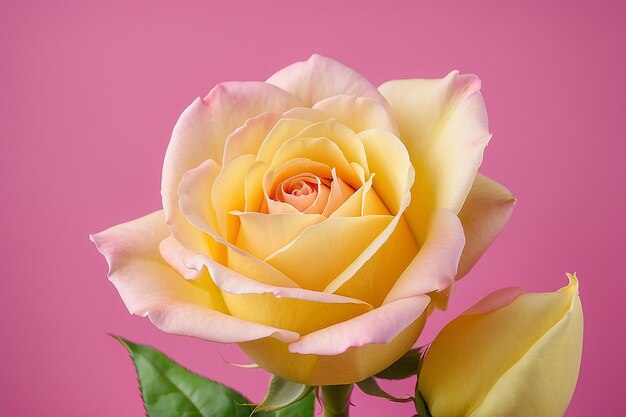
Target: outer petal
(485, 212)
(173, 253)
(435, 266)
(351, 366)
(378, 326)
(201, 132)
(527, 354)
(320, 78)
(150, 287)
(443, 124)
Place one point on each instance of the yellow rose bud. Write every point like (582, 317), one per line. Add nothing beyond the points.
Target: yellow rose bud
(509, 355)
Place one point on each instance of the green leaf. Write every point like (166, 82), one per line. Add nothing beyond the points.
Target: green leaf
(169, 390)
(283, 393)
(408, 365)
(421, 406)
(371, 387)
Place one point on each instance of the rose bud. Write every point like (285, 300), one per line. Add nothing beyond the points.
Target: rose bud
(512, 354)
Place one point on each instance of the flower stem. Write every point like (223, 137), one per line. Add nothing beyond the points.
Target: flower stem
(336, 399)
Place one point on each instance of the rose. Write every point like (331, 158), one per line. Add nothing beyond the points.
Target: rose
(307, 217)
(509, 355)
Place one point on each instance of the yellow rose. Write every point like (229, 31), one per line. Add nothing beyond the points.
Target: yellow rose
(509, 355)
(307, 217)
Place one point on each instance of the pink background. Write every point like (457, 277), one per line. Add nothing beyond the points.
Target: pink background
(89, 92)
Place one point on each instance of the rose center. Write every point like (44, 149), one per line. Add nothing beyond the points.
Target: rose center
(303, 191)
(307, 193)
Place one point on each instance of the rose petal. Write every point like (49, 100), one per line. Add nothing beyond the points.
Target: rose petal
(495, 300)
(358, 113)
(390, 161)
(346, 368)
(321, 201)
(342, 136)
(435, 265)
(321, 252)
(248, 138)
(320, 77)
(173, 253)
(284, 130)
(443, 124)
(278, 207)
(339, 193)
(262, 234)
(307, 113)
(353, 206)
(374, 327)
(150, 287)
(293, 314)
(228, 194)
(188, 236)
(373, 281)
(321, 150)
(233, 282)
(253, 187)
(485, 212)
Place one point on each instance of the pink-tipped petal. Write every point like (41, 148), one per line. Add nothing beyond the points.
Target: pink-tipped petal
(435, 265)
(174, 253)
(443, 123)
(374, 327)
(320, 77)
(150, 287)
(201, 132)
(495, 300)
(487, 209)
